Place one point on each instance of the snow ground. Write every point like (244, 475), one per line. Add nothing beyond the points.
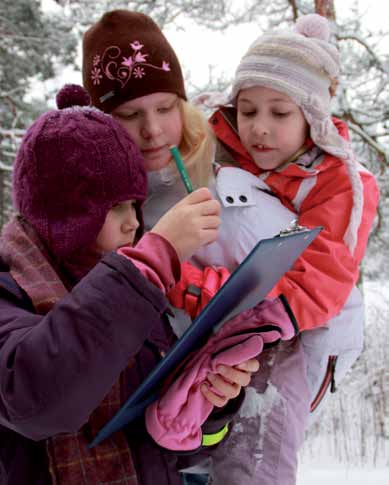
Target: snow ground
(340, 475)
(323, 469)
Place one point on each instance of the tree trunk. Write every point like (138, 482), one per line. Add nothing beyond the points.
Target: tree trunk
(326, 8)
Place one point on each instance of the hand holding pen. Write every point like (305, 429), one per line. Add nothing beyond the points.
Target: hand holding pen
(191, 223)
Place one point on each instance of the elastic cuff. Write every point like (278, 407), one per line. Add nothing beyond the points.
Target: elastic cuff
(214, 438)
(290, 313)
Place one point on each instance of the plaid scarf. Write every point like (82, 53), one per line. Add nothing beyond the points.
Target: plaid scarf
(70, 459)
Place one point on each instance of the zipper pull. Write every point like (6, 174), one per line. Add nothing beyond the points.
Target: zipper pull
(333, 384)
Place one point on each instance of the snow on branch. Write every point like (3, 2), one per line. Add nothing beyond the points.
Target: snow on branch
(5, 168)
(361, 41)
(369, 140)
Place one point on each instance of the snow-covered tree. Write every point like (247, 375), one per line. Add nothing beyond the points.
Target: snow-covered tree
(31, 45)
(164, 12)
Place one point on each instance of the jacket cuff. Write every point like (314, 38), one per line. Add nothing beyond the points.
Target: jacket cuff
(222, 416)
(156, 259)
(218, 423)
(214, 438)
(290, 313)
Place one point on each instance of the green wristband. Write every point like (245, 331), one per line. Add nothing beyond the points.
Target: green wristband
(214, 438)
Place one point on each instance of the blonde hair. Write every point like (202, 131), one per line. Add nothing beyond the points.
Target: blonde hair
(198, 144)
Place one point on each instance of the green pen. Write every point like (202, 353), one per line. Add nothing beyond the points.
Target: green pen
(181, 168)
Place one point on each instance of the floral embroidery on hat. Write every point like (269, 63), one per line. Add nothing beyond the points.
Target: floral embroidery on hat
(96, 59)
(139, 72)
(165, 66)
(136, 45)
(96, 75)
(129, 66)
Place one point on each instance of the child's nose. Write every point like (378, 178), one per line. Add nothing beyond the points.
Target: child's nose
(260, 126)
(131, 223)
(151, 128)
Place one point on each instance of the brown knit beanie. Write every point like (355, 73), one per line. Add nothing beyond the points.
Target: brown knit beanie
(126, 56)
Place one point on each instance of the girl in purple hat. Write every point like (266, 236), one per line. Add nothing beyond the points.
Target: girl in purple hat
(82, 302)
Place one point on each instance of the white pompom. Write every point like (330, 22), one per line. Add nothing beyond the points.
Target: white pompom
(314, 25)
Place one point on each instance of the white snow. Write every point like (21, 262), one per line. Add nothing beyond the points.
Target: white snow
(351, 451)
(342, 475)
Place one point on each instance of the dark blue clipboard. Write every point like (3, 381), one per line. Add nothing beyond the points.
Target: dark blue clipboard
(248, 285)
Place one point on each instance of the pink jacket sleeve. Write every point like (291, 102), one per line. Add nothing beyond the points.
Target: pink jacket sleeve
(156, 259)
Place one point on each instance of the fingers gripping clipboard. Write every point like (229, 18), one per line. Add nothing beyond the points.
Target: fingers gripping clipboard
(247, 286)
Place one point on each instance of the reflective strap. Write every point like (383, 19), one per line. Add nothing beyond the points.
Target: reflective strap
(215, 438)
(192, 300)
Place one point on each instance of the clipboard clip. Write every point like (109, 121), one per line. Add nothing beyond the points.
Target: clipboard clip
(293, 228)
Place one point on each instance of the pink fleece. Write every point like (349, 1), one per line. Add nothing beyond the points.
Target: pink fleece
(174, 421)
(156, 259)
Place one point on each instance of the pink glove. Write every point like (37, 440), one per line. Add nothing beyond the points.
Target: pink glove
(175, 420)
(276, 312)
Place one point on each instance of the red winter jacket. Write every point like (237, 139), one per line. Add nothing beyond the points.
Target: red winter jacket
(319, 283)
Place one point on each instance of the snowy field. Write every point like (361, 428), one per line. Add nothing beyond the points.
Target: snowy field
(338, 475)
(321, 463)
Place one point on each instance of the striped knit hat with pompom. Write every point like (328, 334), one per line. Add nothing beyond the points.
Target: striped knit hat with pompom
(303, 64)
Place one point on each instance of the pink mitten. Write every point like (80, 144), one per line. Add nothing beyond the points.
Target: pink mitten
(175, 420)
(273, 312)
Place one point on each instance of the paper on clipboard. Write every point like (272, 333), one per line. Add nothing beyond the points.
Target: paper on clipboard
(246, 287)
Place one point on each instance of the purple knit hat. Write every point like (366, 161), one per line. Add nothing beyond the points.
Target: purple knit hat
(73, 166)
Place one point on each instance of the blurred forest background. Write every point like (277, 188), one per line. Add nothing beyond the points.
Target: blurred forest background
(36, 44)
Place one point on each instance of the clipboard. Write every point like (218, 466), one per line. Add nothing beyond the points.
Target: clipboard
(247, 286)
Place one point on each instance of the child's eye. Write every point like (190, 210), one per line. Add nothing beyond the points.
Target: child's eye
(248, 114)
(124, 206)
(118, 208)
(281, 114)
(166, 109)
(127, 116)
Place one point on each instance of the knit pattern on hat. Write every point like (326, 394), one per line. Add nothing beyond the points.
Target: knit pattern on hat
(302, 63)
(126, 56)
(72, 167)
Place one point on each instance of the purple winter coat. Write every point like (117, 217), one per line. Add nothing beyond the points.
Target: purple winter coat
(113, 314)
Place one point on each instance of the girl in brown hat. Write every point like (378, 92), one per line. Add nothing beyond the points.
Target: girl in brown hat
(131, 71)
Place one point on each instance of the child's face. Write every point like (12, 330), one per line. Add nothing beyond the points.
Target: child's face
(119, 228)
(154, 122)
(271, 126)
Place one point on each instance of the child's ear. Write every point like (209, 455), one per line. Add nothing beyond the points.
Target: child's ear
(333, 86)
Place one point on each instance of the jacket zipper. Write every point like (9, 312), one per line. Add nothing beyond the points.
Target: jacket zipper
(328, 382)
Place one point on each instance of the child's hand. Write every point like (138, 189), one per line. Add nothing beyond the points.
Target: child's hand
(228, 382)
(191, 223)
